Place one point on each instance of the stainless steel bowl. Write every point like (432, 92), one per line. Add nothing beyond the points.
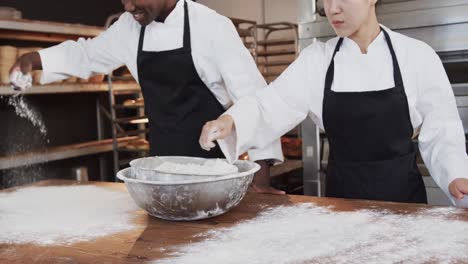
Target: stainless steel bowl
(147, 169)
(194, 199)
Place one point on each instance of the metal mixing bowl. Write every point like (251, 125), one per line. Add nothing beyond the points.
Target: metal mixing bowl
(193, 199)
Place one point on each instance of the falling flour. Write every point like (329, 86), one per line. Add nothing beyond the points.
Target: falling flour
(24, 110)
(63, 215)
(311, 234)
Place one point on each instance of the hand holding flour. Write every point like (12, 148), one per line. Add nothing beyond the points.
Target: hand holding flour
(20, 72)
(20, 81)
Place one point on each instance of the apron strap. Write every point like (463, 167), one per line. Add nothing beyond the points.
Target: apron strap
(140, 41)
(396, 67)
(331, 67)
(187, 41)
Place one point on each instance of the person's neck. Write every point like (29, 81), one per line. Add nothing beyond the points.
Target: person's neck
(167, 9)
(367, 33)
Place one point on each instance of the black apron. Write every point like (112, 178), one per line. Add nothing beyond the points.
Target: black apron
(177, 102)
(372, 155)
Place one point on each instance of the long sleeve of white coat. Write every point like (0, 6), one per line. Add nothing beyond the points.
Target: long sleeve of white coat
(241, 78)
(85, 57)
(271, 112)
(442, 138)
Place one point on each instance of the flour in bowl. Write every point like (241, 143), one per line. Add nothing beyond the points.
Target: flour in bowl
(210, 167)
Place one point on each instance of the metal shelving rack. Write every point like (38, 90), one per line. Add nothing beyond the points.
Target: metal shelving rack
(123, 123)
(247, 30)
(276, 51)
(63, 88)
(273, 54)
(276, 54)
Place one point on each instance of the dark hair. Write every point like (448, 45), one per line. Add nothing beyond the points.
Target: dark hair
(321, 12)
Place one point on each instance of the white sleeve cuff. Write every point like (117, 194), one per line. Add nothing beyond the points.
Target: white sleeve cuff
(244, 117)
(229, 147)
(272, 151)
(453, 168)
(47, 59)
(458, 203)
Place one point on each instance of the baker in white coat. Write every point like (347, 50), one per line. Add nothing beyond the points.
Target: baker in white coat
(189, 61)
(371, 90)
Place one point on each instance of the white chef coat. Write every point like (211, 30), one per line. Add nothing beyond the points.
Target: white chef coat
(298, 93)
(220, 58)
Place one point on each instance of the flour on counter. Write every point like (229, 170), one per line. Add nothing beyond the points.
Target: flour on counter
(63, 215)
(310, 234)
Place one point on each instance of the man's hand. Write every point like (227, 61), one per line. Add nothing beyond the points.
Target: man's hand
(459, 188)
(20, 72)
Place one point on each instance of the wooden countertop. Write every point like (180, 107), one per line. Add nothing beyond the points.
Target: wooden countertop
(151, 241)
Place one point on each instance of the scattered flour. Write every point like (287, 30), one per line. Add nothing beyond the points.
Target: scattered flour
(310, 234)
(24, 110)
(210, 167)
(63, 215)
